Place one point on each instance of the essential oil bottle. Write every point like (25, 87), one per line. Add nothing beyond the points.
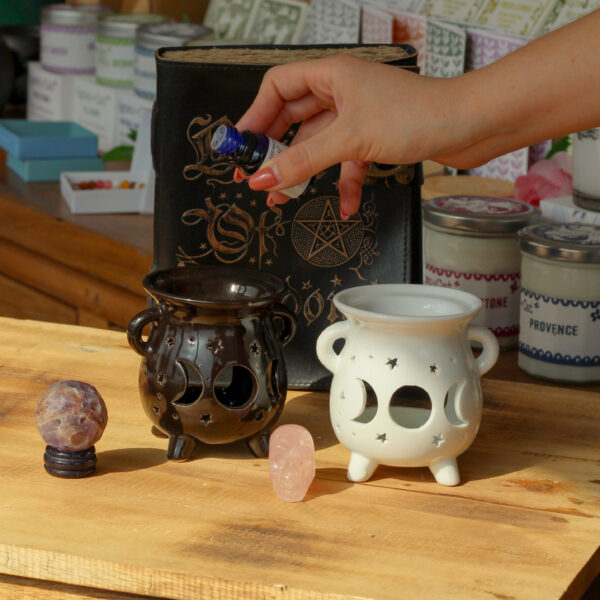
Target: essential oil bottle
(250, 151)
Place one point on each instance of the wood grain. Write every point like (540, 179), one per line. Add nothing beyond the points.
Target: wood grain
(524, 524)
(23, 302)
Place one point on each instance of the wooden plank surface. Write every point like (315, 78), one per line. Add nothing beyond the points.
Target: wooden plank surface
(525, 522)
(113, 248)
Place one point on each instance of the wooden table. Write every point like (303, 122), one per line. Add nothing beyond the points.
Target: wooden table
(524, 524)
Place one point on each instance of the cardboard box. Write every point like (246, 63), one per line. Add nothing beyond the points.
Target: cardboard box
(49, 95)
(95, 108)
(47, 139)
(130, 110)
(116, 200)
(50, 169)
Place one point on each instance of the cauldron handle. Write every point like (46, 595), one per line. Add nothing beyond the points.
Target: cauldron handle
(134, 330)
(290, 323)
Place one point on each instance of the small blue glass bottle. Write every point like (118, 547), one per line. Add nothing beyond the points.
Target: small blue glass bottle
(250, 151)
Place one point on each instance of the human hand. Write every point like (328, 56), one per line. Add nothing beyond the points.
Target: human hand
(353, 112)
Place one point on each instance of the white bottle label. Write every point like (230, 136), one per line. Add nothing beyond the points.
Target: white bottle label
(499, 293)
(275, 148)
(559, 331)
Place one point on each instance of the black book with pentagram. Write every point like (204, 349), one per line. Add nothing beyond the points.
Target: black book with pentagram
(203, 217)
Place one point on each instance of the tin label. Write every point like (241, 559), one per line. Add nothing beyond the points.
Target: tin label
(559, 331)
(115, 59)
(68, 49)
(499, 293)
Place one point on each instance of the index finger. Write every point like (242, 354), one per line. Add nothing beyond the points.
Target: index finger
(282, 84)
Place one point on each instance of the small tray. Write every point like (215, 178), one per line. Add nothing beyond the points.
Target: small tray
(49, 169)
(113, 200)
(47, 139)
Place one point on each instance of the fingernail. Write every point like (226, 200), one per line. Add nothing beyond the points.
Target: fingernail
(344, 216)
(237, 176)
(270, 201)
(264, 179)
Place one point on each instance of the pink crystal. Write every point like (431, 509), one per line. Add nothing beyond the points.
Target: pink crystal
(71, 416)
(291, 462)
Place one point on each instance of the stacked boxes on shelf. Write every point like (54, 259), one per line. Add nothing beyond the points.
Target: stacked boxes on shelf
(40, 151)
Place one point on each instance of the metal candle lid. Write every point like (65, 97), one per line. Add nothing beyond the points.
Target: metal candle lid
(156, 35)
(572, 242)
(125, 25)
(479, 214)
(71, 15)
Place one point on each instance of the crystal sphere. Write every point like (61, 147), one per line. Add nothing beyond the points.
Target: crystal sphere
(71, 416)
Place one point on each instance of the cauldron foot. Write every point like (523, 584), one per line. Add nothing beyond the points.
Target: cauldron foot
(360, 467)
(180, 447)
(445, 471)
(259, 445)
(158, 433)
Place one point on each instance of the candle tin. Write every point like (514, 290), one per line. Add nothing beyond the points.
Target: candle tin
(560, 302)
(153, 36)
(68, 37)
(115, 47)
(586, 169)
(470, 243)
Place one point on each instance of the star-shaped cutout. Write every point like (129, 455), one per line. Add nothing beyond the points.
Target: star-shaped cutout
(170, 341)
(438, 440)
(337, 282)
(215, 345)
(206, 419)
(382, 437)
(255, 348)
(433, 368)
(392, 363)
(306, 285)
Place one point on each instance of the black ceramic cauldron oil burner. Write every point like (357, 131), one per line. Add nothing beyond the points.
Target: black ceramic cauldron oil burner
(213, 369)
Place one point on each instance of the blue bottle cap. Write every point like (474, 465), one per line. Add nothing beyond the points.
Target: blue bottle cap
(226, 140)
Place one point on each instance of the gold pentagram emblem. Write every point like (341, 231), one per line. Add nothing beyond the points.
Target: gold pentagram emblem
(321, 237)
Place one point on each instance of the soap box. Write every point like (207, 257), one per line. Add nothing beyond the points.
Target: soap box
(95, 107)
(116, 200)
(49, 95)
(130, 108)
(47, 139)
(49, 169)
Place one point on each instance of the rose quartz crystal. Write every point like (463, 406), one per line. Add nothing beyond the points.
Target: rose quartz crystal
(291, 462)
(71, 416)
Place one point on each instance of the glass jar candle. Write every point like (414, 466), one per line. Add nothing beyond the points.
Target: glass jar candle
(68, 37)
(560, 302)
(151, 37)
(115, 47)
(586, 169)
(470, 243)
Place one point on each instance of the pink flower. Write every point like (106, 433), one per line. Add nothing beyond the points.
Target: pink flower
(549, 178)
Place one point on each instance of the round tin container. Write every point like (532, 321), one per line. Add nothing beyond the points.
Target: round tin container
(586, 169)
(470, 243)
(560, 302)
(115, 53)
(68, 37)
(150, 37)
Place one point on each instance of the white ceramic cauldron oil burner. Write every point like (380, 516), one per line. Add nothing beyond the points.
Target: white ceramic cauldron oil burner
(406, 387)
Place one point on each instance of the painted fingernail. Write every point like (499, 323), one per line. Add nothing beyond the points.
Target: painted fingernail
(270, 201)
(344, 215)
(237, 176)
(263, 179)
